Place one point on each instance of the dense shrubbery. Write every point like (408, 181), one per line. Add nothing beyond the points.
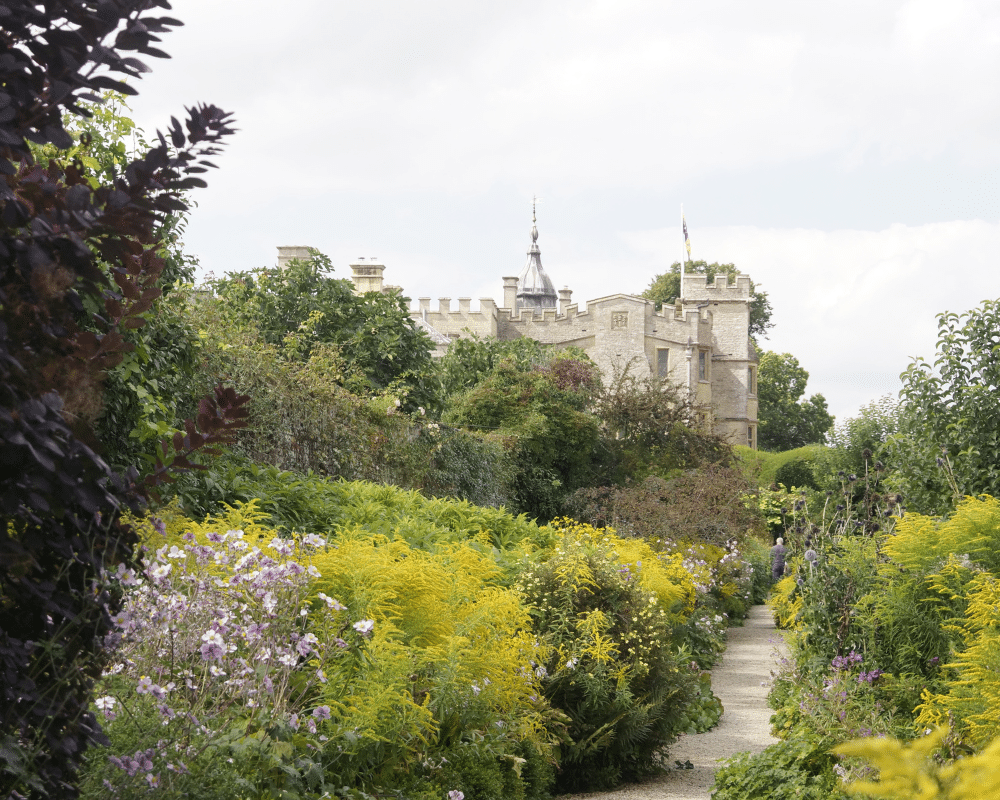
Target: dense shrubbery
(357, 639)
(606, 625)
(893, 633)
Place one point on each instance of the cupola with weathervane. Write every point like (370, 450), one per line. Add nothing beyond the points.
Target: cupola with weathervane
(535, 289)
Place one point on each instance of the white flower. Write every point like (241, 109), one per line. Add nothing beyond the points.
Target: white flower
(364, 626)
(176, 552)
(212, 637)
(313, 540)
(331, 603)
(106, 704)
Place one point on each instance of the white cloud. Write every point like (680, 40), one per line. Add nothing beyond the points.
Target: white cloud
(456, 97)
(399, 109)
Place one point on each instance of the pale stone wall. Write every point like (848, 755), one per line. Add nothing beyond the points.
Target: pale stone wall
(461, 322)
(622, 332)
(287, 252)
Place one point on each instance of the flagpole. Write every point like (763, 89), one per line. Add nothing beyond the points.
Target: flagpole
(683, 254)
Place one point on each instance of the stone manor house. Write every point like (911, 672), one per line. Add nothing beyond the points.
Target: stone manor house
(701, 342)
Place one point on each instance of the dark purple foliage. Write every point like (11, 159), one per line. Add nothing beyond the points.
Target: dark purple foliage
(59, 240)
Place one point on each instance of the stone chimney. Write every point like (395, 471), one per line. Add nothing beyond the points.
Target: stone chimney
(287, 252)
(565, 295)
(367, 275)
(510, 293)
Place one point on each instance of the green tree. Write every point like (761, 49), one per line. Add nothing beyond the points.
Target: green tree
(543, 413)
(302, 305)
(858, 443)
(147, 395)
(785, 421)
(948, 445)
(650, 427)
(470, 361)
(666, 288)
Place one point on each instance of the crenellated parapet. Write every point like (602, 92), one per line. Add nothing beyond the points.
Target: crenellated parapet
(697, 289)
(462, 321)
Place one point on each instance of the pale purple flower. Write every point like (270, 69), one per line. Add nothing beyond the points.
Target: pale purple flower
(305, 644)
(126, 576)
(321, 712)
(213, 648)
(145, 685)
(340, 643)
(280, 545)
(454, 794)
(312, 540)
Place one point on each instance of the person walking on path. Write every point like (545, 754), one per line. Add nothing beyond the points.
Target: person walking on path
(740, 681)
(778, 560)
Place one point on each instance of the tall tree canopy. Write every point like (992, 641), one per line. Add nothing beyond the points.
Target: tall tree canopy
(666, 288)
(785, 421)
(948, 445)
(542, 409)
(303, 304)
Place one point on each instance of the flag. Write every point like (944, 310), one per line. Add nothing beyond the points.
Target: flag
(687, 242)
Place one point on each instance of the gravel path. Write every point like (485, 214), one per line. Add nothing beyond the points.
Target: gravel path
(741, 681)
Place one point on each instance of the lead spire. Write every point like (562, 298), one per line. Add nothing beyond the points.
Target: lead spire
(535, 288)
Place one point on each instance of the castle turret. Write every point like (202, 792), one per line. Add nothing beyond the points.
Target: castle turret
(535, 289)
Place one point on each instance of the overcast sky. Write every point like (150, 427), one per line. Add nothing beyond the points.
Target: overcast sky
(845, 155)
